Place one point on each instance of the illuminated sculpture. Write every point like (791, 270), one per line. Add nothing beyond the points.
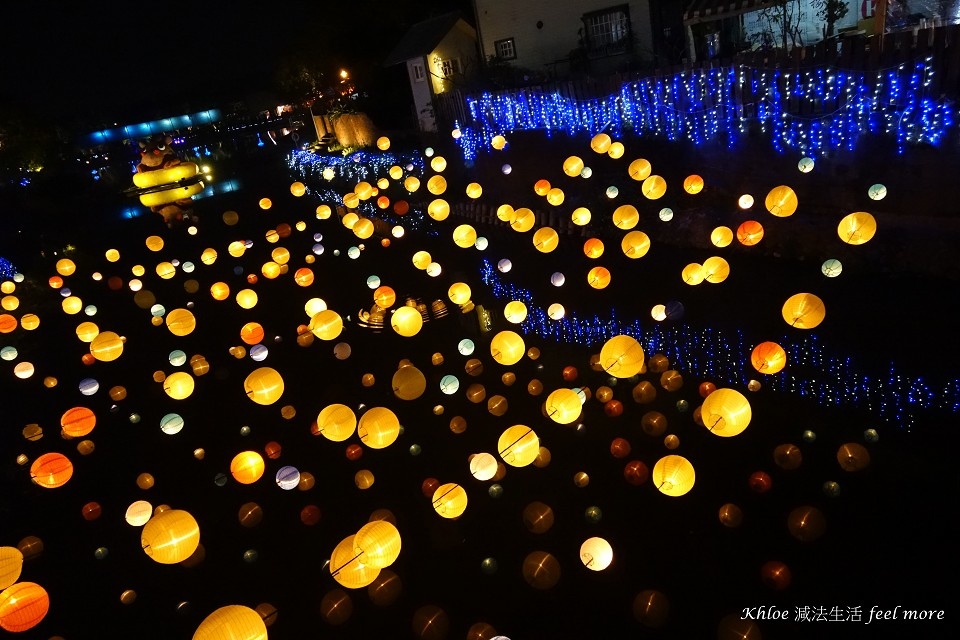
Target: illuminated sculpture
(164, 182)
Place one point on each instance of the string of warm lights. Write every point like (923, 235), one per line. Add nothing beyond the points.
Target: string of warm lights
(812, 111)
(725, 356)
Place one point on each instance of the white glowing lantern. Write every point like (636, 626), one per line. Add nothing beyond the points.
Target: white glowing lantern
(557, 279)
(745, 201)
(596, 554)
(483, 466)
(556, 311)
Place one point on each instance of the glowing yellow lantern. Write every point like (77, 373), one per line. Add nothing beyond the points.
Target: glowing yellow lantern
(596, 554)
(323, 212)
(438, 164)
(726, 412)
(546, 239)
(464, 236)
(524, 220)
(72, 305)
(635, 244)
(498, 142)
(181, 322)
(857, 228)
(378, 427)
(326, 324)
(406, 321)
(107, 346)
(264, 385)
(408, 382)
(87, 331)
(232, 622)
(580, 216)
(297, 189)
(179, 385)
(247, 467)
(51, 470)
(572, 166)
(422, 259)
(22, 606)
(519, 445)
(385, 297)
(563, 406)
(715, 269)
(346, 568)
(768, 357)
(411, 183)
(639, 169)
(112, 255)
(336, 422)
(693, 184)
(781, 201)
(673, 475)
(377, 544)
(721, 237)
(247, 298)
(170, 536)
(363, 229)
(622, 356)
(436, 185)
(804, 311)
(450, 500)
(654, 187)
(11, 563)
(66, 267)
(506, 213)
(154, 243)
(598, 277)
(383, 143)
(219, 291)
(474, 190)
(616, 150)
(515, 312)
(507, 348)
(626, 217)
(459, 293)
(303, 276)
(351, 201)
(438, 209)
(600, 143)
(265, 203)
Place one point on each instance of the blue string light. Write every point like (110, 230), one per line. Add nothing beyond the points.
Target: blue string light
(7, 270)
(812, 111)
(725, 356)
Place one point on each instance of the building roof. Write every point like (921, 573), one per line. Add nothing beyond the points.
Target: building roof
(422, 38)
(710, 10)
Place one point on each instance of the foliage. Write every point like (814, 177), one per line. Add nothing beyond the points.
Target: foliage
(782, 21)
(831, 12)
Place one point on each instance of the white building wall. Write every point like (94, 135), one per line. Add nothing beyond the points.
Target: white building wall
(422, 95)
(546, 31)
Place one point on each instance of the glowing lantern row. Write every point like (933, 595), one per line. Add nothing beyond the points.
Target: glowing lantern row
(233, 622)
(170, 537)
(336, 422)
(518, 446)
(673, 475)
(726, 412)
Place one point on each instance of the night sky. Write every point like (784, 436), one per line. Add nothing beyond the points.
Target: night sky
(113, 58)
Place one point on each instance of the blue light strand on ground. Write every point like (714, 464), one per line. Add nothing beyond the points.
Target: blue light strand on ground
(703, 105)
(724, 356)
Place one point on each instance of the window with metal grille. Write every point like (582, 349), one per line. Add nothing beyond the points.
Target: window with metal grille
(449, 67)
(506, 49)
(607, 31)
